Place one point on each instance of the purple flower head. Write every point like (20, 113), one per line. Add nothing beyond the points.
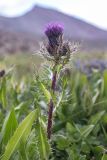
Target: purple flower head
(54, 31)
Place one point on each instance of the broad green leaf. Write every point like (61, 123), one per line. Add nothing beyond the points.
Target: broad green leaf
(87, 130)
(85, 147)
(10, 125)
(104, 157)
(62, 142)
(43, 144)
(99, 149)
(95, 118)
(82, 157)
(46, 92)
(3, 92)
(21, 133)
(105, 82)
(70, 128)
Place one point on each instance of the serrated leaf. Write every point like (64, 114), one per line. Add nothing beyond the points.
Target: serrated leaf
(46, 92)
(58, 103)
(44, 146)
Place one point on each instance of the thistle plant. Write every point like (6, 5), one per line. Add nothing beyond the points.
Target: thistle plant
(76, 122)
(59, 52)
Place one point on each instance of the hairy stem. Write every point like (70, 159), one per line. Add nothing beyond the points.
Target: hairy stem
(51, 107)
(49, 127)
(54, 81)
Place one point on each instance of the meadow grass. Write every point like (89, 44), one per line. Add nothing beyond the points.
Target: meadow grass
(79, 129)
(26, 64)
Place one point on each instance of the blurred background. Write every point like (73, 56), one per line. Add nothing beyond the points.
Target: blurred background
(22, 24)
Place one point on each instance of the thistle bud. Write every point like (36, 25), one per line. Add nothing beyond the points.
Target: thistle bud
(54, 33)
(57, 50)
(50, 50)
(65, 49)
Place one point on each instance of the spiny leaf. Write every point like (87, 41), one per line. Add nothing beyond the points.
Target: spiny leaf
(46, 92)
(44, 147)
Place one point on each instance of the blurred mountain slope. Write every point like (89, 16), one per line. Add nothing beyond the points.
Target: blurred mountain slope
(25, 32)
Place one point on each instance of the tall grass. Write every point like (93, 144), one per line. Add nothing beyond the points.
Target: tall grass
(79, 131)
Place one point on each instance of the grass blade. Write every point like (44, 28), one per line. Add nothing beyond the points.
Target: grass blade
(19, 134)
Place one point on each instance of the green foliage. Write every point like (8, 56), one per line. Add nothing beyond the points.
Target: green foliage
(46, 92)
(20, 134)
(9, 126)
(43, 144)
(3, 92)
(79, 122)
